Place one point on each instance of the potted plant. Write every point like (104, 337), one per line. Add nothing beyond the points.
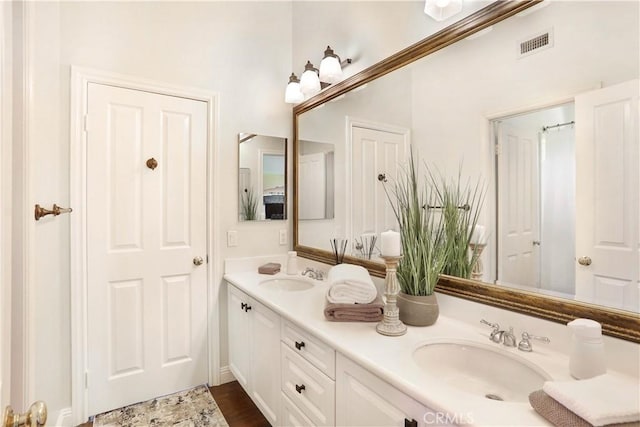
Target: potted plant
(424, 248)
(249, 205)
(460, 205)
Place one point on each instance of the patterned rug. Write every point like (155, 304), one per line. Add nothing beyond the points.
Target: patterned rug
(189, 408)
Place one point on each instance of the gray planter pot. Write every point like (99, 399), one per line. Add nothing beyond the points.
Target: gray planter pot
(418, 310)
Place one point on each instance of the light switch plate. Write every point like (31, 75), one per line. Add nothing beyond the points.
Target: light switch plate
(232, 238)
(283, 237)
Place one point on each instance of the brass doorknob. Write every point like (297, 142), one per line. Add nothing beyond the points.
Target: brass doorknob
(35, 416)
(198, 261)
(584, 260)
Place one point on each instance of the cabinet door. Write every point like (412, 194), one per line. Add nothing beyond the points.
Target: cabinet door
(239, 335)
(265, 361)
(362, 399)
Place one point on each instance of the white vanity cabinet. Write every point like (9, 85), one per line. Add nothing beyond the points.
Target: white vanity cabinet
(254, 356)
(308, 372)
(363, 399)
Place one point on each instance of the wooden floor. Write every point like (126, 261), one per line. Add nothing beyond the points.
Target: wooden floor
(236, 406)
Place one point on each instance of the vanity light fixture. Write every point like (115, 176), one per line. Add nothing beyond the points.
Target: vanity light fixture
(442, 9)
(309, 81)
(313, 80)
(293, 94)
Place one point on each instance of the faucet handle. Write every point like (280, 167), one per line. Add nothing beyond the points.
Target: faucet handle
(496, 334)
(495, 326)
(525, 344)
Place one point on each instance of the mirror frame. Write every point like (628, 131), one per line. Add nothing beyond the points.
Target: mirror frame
(616, 323)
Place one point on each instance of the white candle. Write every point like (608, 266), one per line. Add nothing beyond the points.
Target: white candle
(478, 235)
(390, 245)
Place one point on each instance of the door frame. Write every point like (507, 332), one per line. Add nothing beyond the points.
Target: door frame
(493, 246)
(80, 79)
(5, 199)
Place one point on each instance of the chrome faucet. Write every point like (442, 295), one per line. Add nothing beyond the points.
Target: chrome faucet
(507, 338)
(313, 274)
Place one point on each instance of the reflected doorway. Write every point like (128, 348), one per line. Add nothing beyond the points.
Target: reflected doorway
(535, 161)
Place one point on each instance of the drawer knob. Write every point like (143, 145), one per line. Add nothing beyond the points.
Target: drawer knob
(299, 345)
(412, 423)
(299, 388)
(247, 307)
(242, 306)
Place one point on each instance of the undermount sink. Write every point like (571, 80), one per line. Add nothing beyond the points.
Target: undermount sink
(481, 370)
(287, 285)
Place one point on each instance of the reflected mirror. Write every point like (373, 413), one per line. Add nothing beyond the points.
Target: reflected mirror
(315, 180)
(527, 107)
(262, 179)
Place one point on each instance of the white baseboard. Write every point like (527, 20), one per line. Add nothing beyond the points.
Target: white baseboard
(61, 418)
(225, 375)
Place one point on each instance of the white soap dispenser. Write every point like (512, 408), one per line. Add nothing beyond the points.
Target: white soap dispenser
(587, 350)
(292, 263)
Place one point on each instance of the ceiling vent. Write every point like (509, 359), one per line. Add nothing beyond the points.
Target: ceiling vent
(536, 43)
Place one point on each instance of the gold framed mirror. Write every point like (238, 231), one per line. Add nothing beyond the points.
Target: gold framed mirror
(616, 322)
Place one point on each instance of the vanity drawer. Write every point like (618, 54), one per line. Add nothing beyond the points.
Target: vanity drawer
(291, 416)
(312, 349)
(308, 388)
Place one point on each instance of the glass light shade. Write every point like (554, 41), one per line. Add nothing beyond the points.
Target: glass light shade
(293, 94)
(309, 81)
(330, 68)
(442, 9)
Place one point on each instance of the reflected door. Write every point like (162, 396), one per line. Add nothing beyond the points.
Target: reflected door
(147, 297)
(607, 196)
(518, 212)
(374, 152)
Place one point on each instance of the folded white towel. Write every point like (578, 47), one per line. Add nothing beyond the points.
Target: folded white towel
(350, 284)
(602, 400)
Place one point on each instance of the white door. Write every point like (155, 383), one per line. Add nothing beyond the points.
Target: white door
(374, 152)
(147, 300)
(518, 206)
(607, 196)
(312, 192)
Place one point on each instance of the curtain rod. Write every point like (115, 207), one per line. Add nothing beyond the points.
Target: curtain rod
(546, 128)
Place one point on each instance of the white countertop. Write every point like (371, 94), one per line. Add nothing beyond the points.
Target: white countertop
(390, 358)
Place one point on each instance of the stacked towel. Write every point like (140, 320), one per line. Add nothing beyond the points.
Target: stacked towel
(559, 416)
(269, 268)
(350, 284)
(371, 312)
(602, 400)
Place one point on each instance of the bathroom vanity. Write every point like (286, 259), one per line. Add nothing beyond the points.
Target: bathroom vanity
(303, 370)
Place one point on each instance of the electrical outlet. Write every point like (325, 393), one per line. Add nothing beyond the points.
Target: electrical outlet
(283, 237)
(232, 238)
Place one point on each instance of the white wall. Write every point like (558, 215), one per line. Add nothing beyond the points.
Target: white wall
(240, 50)
(366, 31)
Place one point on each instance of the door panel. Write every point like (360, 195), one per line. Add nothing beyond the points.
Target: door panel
(145, 227)
(607, 196)
(518, 224)
(374, 152)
